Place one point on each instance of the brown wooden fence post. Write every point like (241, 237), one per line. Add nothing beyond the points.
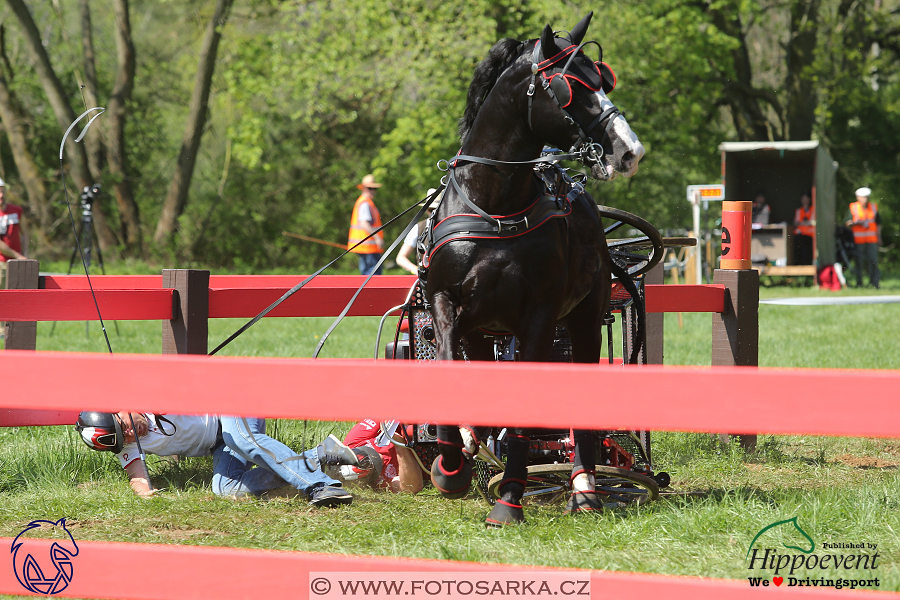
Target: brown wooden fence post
(655, 321)
(188, 332)
(21, 274)
(735, 332)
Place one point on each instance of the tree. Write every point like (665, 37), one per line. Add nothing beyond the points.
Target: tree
(13, 120)
(193, 131)
(117, 159)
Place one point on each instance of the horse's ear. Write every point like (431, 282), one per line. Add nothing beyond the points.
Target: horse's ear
(548, 46)
(580, 30)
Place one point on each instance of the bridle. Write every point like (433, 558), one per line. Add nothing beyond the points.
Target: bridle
(589, 151)
(585, 150)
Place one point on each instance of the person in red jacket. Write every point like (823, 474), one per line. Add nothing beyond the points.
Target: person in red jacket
(13, 235)
(865, 221)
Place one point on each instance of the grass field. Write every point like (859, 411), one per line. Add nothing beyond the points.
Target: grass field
(842, 490)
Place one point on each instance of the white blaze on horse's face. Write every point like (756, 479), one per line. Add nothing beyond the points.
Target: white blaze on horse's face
(627, 148)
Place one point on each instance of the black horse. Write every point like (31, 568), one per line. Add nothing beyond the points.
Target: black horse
(506, 255)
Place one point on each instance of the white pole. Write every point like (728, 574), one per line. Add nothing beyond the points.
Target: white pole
(698, 254)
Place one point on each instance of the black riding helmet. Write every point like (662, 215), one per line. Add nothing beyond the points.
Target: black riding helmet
(100, 431)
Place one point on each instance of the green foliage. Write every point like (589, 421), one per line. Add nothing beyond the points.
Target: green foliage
(309, 96)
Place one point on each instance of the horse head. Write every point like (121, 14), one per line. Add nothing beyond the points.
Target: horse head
(570, 107)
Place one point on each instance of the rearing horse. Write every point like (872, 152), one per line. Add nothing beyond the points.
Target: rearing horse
(506, 256)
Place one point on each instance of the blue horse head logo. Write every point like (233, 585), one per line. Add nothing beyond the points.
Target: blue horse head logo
(35, 570)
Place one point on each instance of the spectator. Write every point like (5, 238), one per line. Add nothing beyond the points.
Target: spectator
(760, 209)
(246, 462)
(804, 231)
(409, 243)
(865, 221)
(364, 220)
(13, 235)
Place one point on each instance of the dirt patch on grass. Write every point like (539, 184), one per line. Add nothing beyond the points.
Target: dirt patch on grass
(185, 534)
(866, 462)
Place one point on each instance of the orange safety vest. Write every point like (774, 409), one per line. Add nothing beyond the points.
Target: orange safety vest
(357, 233)
(804, 215)
(866, 233)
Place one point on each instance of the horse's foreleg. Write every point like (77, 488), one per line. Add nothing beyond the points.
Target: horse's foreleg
(584, 497)
(451, 472)
(585, 327)
(446, 328)
(508, 509)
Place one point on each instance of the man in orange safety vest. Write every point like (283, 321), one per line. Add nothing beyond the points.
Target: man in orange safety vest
(364, 220)
(866, 225)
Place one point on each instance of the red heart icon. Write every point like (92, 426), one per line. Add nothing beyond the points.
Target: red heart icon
(777, 580)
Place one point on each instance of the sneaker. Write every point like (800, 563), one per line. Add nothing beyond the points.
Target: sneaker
(333, 452)
(328, 495)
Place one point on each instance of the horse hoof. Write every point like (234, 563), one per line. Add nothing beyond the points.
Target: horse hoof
(583, 502)
(505, 513)
(452, 484)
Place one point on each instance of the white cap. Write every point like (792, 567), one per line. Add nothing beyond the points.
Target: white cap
(2, 183)
(863, 191)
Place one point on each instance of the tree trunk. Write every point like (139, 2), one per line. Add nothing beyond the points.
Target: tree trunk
(93, 140)
(739, 94)
(75, 153)
(176, 199)
(115, 131)
(801, 94)
(13, 122)
(56, 95)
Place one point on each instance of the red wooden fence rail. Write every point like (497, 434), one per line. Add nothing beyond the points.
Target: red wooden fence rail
(802, 401)
(201, 573)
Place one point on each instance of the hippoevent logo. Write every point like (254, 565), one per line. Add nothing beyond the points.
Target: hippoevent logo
(806, 567)
(38, 569)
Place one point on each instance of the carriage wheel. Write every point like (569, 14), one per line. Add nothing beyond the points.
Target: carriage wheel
(549, 483)
(635, 255)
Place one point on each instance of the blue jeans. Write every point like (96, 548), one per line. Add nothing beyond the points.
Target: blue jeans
(367, 262)
(276, 464)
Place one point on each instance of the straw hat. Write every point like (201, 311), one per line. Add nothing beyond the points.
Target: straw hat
(863, 191)
(437, 199)
(368, 182)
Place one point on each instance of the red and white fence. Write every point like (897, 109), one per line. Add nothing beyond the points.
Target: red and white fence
(649, 397)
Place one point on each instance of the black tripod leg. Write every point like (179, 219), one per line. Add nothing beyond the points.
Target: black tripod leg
(71, 264)
(100, 263)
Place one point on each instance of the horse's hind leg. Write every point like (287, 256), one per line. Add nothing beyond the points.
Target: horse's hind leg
(508, 508)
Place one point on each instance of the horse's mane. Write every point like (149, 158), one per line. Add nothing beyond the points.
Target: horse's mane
(486, 74)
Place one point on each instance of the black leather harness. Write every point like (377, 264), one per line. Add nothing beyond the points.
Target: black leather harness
(556, 202)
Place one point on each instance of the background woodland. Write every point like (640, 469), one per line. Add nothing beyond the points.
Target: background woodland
(229, 122)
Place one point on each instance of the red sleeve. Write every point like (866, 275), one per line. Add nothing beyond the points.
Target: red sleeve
(362, 432)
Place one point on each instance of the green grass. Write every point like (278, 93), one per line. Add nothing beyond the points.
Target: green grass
(841, 489)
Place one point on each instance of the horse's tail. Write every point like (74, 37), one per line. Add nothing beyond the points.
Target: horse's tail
(631, 288)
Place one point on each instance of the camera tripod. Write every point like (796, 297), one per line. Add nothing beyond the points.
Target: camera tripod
(85, 238)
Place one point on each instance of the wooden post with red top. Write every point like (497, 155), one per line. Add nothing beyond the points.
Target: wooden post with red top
(21, 274)
(188, 331)
(735, 332)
